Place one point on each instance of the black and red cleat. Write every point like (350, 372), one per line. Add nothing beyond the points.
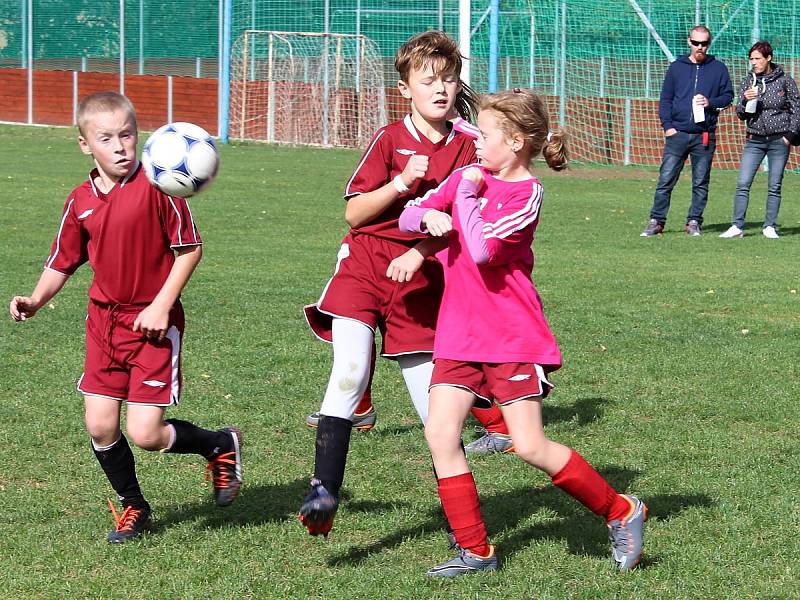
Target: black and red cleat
(318, 509)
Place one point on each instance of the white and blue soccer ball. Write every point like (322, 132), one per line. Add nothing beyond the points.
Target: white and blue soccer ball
(180, 159)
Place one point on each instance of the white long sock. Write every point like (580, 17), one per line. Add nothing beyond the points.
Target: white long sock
(352, 350)
(417, 370)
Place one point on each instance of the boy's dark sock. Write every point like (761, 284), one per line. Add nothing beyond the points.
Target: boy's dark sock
(117, 463)
(191, 439)
(332, 445)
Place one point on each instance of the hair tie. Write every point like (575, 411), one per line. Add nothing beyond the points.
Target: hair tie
(549, 136)
(517, 90)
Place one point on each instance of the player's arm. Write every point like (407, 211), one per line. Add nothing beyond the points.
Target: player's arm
(49, 284)
(363, 208)
(404, 266)
(154, 319)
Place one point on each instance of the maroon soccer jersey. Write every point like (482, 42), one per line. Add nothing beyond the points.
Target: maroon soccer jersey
(387, 155)
(126, 235)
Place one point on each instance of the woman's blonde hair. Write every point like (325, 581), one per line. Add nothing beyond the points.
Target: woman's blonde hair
(439, 50)
(522, 112)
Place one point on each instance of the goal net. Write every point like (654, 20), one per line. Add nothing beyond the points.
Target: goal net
(306, 88)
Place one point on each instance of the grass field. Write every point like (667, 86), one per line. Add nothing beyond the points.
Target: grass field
(680, 385)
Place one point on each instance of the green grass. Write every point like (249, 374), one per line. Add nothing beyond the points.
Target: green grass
(680, 385)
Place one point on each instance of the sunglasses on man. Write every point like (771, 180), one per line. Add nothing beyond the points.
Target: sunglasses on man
(703, 43)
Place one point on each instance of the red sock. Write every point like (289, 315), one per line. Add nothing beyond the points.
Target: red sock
(491, 418)
(588, 487)
(462, 508)
(365, 404)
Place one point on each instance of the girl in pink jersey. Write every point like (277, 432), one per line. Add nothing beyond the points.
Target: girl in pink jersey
(492, 339)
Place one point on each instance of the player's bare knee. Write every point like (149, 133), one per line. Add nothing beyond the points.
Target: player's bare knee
(533, 452)
(146, 438)
(440, 436)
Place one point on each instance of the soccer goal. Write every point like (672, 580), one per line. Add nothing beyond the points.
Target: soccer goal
(306, 88)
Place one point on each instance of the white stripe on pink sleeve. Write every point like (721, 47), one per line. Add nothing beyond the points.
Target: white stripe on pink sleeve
(520, 219)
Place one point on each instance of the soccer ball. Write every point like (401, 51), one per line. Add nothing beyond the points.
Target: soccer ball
(180, 159)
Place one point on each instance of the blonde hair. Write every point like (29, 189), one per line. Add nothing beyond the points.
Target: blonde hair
(522, 112)
(439, 50)
(102, 102)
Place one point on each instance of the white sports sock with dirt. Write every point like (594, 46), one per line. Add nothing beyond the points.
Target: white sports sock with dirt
(352, 352)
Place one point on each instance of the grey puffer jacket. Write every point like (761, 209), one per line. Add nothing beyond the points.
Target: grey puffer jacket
(778, 108)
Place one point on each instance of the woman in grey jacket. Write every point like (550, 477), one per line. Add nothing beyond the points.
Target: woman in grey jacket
(770, 105)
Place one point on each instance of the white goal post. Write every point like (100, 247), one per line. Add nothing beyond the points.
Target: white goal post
(306, 88)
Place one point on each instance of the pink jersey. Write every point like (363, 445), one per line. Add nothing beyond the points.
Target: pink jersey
(127, 236)
(490, 313)
(387, 155)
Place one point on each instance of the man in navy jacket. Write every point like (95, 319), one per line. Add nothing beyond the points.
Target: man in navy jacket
(696, 87)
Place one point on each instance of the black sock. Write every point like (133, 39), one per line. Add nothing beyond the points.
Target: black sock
(191, 439)
(118, 465)
(333, 442)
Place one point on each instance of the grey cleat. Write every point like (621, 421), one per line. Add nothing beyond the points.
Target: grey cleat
(490, 443)
(363, 422)
(465, 563)
(627, 535)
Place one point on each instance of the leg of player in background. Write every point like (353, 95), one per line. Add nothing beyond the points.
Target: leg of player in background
(495, 437)
(416, 370)
(364, 416)
(352, 349)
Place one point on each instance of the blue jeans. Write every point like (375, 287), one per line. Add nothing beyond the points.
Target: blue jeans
(676, 149)
(755, 149)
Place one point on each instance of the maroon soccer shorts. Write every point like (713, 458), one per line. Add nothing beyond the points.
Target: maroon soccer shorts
(504, 382)
(405, 313)
(123, 365)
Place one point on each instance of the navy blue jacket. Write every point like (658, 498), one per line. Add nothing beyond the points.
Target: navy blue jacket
(685, 79)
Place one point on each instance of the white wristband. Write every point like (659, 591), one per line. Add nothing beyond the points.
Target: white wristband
(400, 185)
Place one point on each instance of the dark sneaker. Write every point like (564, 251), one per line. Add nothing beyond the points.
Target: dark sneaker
(653, 228)
(130, 524)
(490, 443)
(466, 562)
(362, 422)
(627, 535)
(225, 470)
(693, 228)
(318, 509)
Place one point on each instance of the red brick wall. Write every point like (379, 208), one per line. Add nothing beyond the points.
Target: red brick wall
(193, 100)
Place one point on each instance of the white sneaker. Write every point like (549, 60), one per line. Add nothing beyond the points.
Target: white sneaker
(732, 232)
(769, 232)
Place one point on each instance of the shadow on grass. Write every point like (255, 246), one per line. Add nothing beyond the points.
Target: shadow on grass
(584, 411)
(260, 504)
(504, 512)
(750, 228)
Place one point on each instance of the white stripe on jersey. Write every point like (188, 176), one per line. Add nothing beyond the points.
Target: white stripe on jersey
(129, 175)
(410, 126)
(504, 227)
(52, 257)
(180, 222)
(361, 164)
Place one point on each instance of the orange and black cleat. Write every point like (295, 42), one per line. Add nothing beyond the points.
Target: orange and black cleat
(225, 470)
(130, 524)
